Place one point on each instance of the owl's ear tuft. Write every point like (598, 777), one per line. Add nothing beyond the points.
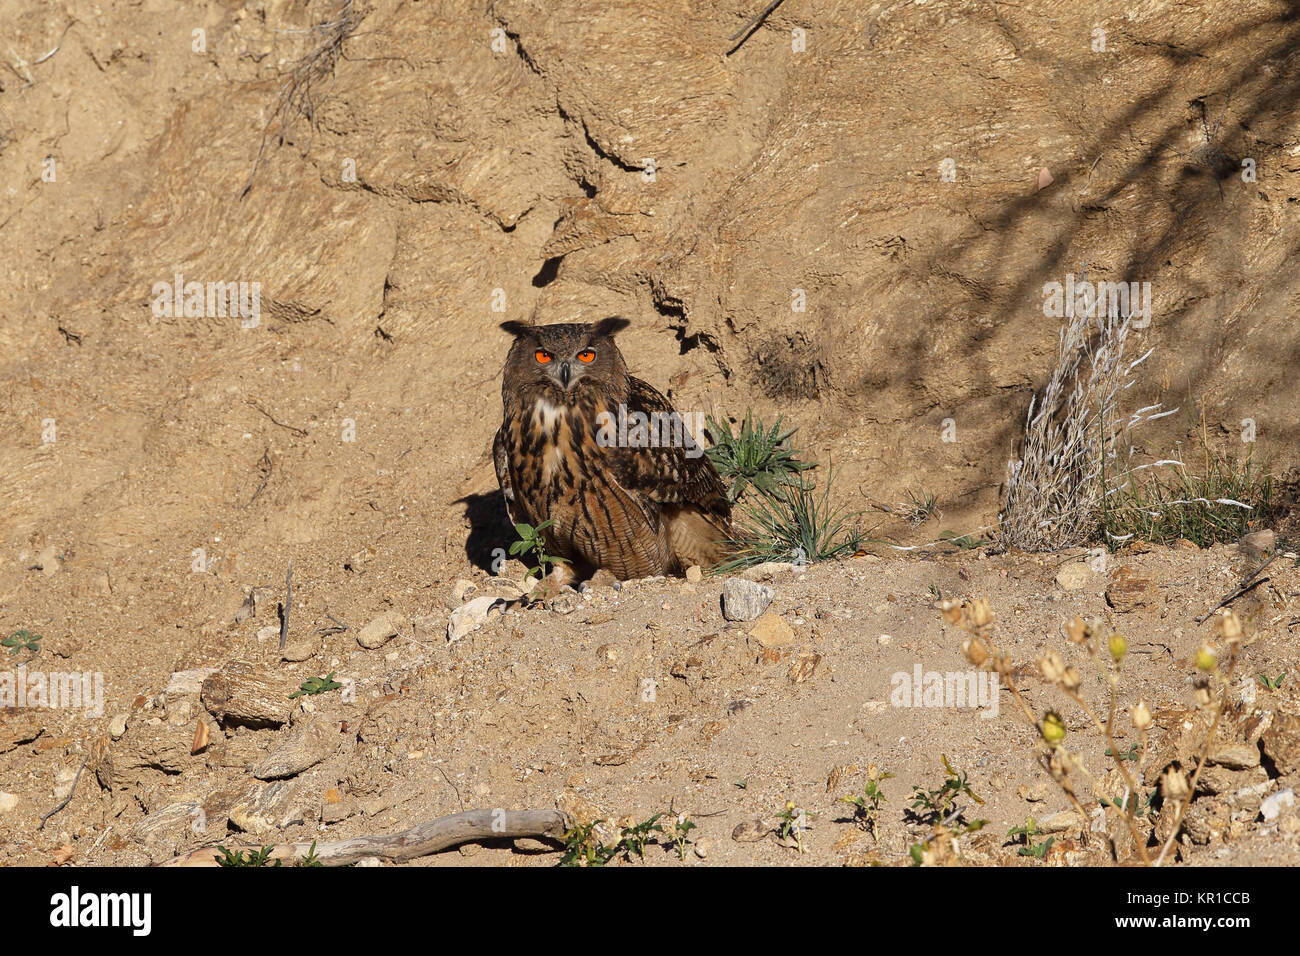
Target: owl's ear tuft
(518, 328)
(610, 326)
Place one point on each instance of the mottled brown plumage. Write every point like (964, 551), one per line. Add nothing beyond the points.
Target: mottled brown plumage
(614, 501)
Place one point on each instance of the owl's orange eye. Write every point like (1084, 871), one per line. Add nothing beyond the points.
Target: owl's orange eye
(543, 356)
(586, 356)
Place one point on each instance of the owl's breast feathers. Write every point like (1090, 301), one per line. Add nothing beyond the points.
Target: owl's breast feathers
(635, 508)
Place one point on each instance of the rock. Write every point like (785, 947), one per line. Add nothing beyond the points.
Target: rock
(694, 574)
(380, 630)
(471, 616)
(161, 748)
(1044, 178)
(750, 831)
(249, 694)
(303, 649)
(47, 561)
(164, 830)
(702, 848)
(766, 571)
(1277, 804)
(307, 744)
(1223, 780)
(1257, 545)
(462, 588)
(264, 809)
(804, 668)
(1128, 591)
(1281, 742)
(771, 631)
(1060, 822)
(1073, 576)
(370, 862)
(339, 811)
(1236, 757)
(1038, 792)
(270, 632)
(744, 600)
(531, 845)
(187, 683)
(117, 727)
(8, 802)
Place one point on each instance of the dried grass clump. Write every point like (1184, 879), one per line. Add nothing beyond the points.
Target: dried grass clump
(1056, 488)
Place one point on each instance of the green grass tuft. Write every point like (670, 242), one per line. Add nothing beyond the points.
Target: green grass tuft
(755, 456)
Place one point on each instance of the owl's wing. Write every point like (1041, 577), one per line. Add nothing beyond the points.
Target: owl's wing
(675, 473)
(502, 464)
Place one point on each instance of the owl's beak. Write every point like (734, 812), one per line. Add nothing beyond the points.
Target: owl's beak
(564, 374)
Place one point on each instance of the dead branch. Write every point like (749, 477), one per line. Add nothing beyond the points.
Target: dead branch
(743, 33)
(1248, 583)
(422, 840)
(297, 97)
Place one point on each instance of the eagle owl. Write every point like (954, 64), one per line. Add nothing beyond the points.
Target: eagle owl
(636, 501)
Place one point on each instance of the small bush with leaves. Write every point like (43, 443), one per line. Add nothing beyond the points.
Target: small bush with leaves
(635, 838)
(756, 455)
(795, 822)
(531, 539)
(867, 804)
(1025, 835)
(682, 827)
(583, 846)
(940, 806)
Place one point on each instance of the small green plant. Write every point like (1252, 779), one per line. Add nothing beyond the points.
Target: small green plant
(794, 823)
(742, 784)
(1133, 806)
(316, 685)
(1272, 683)
(583, 847)
(1026, 834)
(966, 542)
(532, 539)
(939, 806)
(682, 827)
(867, 804)
(920, 506)
(260, 857)
(23, 640)
(801, 527)
(1133, 753)
(635, 838)
(757, 456)
(311, 859)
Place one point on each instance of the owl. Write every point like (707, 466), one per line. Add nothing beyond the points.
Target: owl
(604, 457)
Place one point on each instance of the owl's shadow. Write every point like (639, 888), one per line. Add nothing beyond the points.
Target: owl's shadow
(490, 530)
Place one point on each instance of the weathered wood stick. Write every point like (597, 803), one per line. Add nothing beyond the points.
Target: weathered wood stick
(418, 841)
